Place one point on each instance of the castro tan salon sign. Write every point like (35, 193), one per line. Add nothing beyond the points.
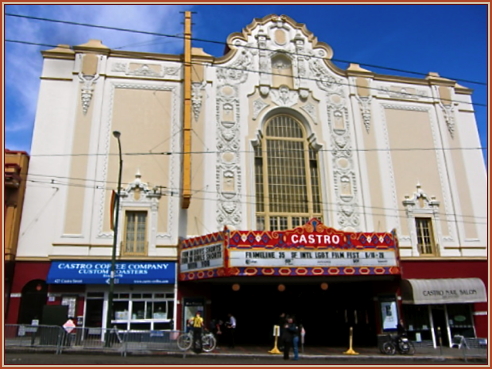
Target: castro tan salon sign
(446, 294)
(443, 291)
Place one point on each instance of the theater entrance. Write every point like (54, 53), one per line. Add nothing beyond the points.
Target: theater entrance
(326, 315)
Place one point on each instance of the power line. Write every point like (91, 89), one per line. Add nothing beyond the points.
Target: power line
(167, 153)
(302, 78)
(173, 192)
(229, 45)
(297, 77)
(30, 43)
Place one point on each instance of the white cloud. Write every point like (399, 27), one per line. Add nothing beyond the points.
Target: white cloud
(23, 63)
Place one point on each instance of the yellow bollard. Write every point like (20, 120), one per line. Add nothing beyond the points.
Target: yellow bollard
(350, 351)
(276, 332)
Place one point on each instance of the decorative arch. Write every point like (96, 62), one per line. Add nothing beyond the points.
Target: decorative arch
(268, 114)
(287, 175)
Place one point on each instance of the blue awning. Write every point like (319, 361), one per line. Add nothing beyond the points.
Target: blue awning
(98, 272)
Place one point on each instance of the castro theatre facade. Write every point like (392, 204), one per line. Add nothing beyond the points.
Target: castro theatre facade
(329, 279)
(291, 159)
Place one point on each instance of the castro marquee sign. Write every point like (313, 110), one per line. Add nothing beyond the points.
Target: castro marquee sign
(199, 258)
(311, 258)
(311, 249)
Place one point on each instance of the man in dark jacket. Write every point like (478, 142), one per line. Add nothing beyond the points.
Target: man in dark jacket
(288, 334)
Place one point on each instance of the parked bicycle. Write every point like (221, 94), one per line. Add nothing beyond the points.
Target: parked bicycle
(397, 343)
(185, 341)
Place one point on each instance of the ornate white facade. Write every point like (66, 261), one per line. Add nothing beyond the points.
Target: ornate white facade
(378, 138)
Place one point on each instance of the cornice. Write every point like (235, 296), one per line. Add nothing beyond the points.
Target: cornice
(60, 52)
(145, 55)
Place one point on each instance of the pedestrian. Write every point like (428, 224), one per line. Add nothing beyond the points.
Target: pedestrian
(189, 325)
(289, 332)
(281, 322)
(400, 329)
(296, 340)
(220, 331)
(231, 328)
(214, 327)
(197, 326)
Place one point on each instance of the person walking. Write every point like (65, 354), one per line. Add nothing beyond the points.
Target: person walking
(197, 326)
(231, 329)
(290, 331)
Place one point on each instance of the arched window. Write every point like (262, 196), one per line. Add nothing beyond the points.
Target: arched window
(287, 176)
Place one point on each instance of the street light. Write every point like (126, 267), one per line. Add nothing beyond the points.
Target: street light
(117, 135)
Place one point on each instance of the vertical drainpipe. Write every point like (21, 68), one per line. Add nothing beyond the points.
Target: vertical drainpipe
(186, 180)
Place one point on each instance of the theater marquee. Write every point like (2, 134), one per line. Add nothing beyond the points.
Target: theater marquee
(309, 250)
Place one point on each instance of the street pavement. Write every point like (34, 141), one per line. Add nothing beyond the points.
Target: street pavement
(251, 355)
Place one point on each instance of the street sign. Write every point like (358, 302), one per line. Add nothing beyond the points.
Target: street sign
(69, 325)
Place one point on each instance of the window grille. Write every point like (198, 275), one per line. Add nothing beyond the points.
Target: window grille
(425, 236)
(286, 176)
(135, 237)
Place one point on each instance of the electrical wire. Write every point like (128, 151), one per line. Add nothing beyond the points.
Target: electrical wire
(223, 43)
(175, 192)
(315, 80)
(168, 153)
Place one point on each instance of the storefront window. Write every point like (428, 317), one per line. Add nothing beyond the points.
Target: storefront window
(417, 322)
(460, 320)
(143, 311)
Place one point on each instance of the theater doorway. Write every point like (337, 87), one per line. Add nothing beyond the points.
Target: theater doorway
(327, 315)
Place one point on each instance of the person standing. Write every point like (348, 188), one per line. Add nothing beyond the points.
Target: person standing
(281, 323)
(290, 331)
(215, 329)
(296, 340)
(231, 329)
(197, 326)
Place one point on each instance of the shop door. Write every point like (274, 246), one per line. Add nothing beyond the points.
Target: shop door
(439, 320)
(34, 296)
(94, 313)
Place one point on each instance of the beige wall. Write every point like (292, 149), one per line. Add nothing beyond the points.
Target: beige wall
(412, 130)
(74, 212)
(374, 175)
(463, 197)
(145, 114)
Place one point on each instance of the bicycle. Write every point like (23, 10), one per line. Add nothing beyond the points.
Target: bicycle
(185, 341)
(397, 343)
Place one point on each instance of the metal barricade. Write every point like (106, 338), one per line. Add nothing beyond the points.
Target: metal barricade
(86, 338)
(148, 341)
(474, 348)
(83, 338)
(470, 346)
(34, 336)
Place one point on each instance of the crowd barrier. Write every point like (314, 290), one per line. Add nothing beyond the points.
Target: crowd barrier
(471, 347)
(83, 338)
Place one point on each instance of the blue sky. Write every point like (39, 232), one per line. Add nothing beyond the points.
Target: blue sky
(448, 39)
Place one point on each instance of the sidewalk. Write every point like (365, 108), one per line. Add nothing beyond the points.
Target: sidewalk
(317, 352)
(362, 352)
